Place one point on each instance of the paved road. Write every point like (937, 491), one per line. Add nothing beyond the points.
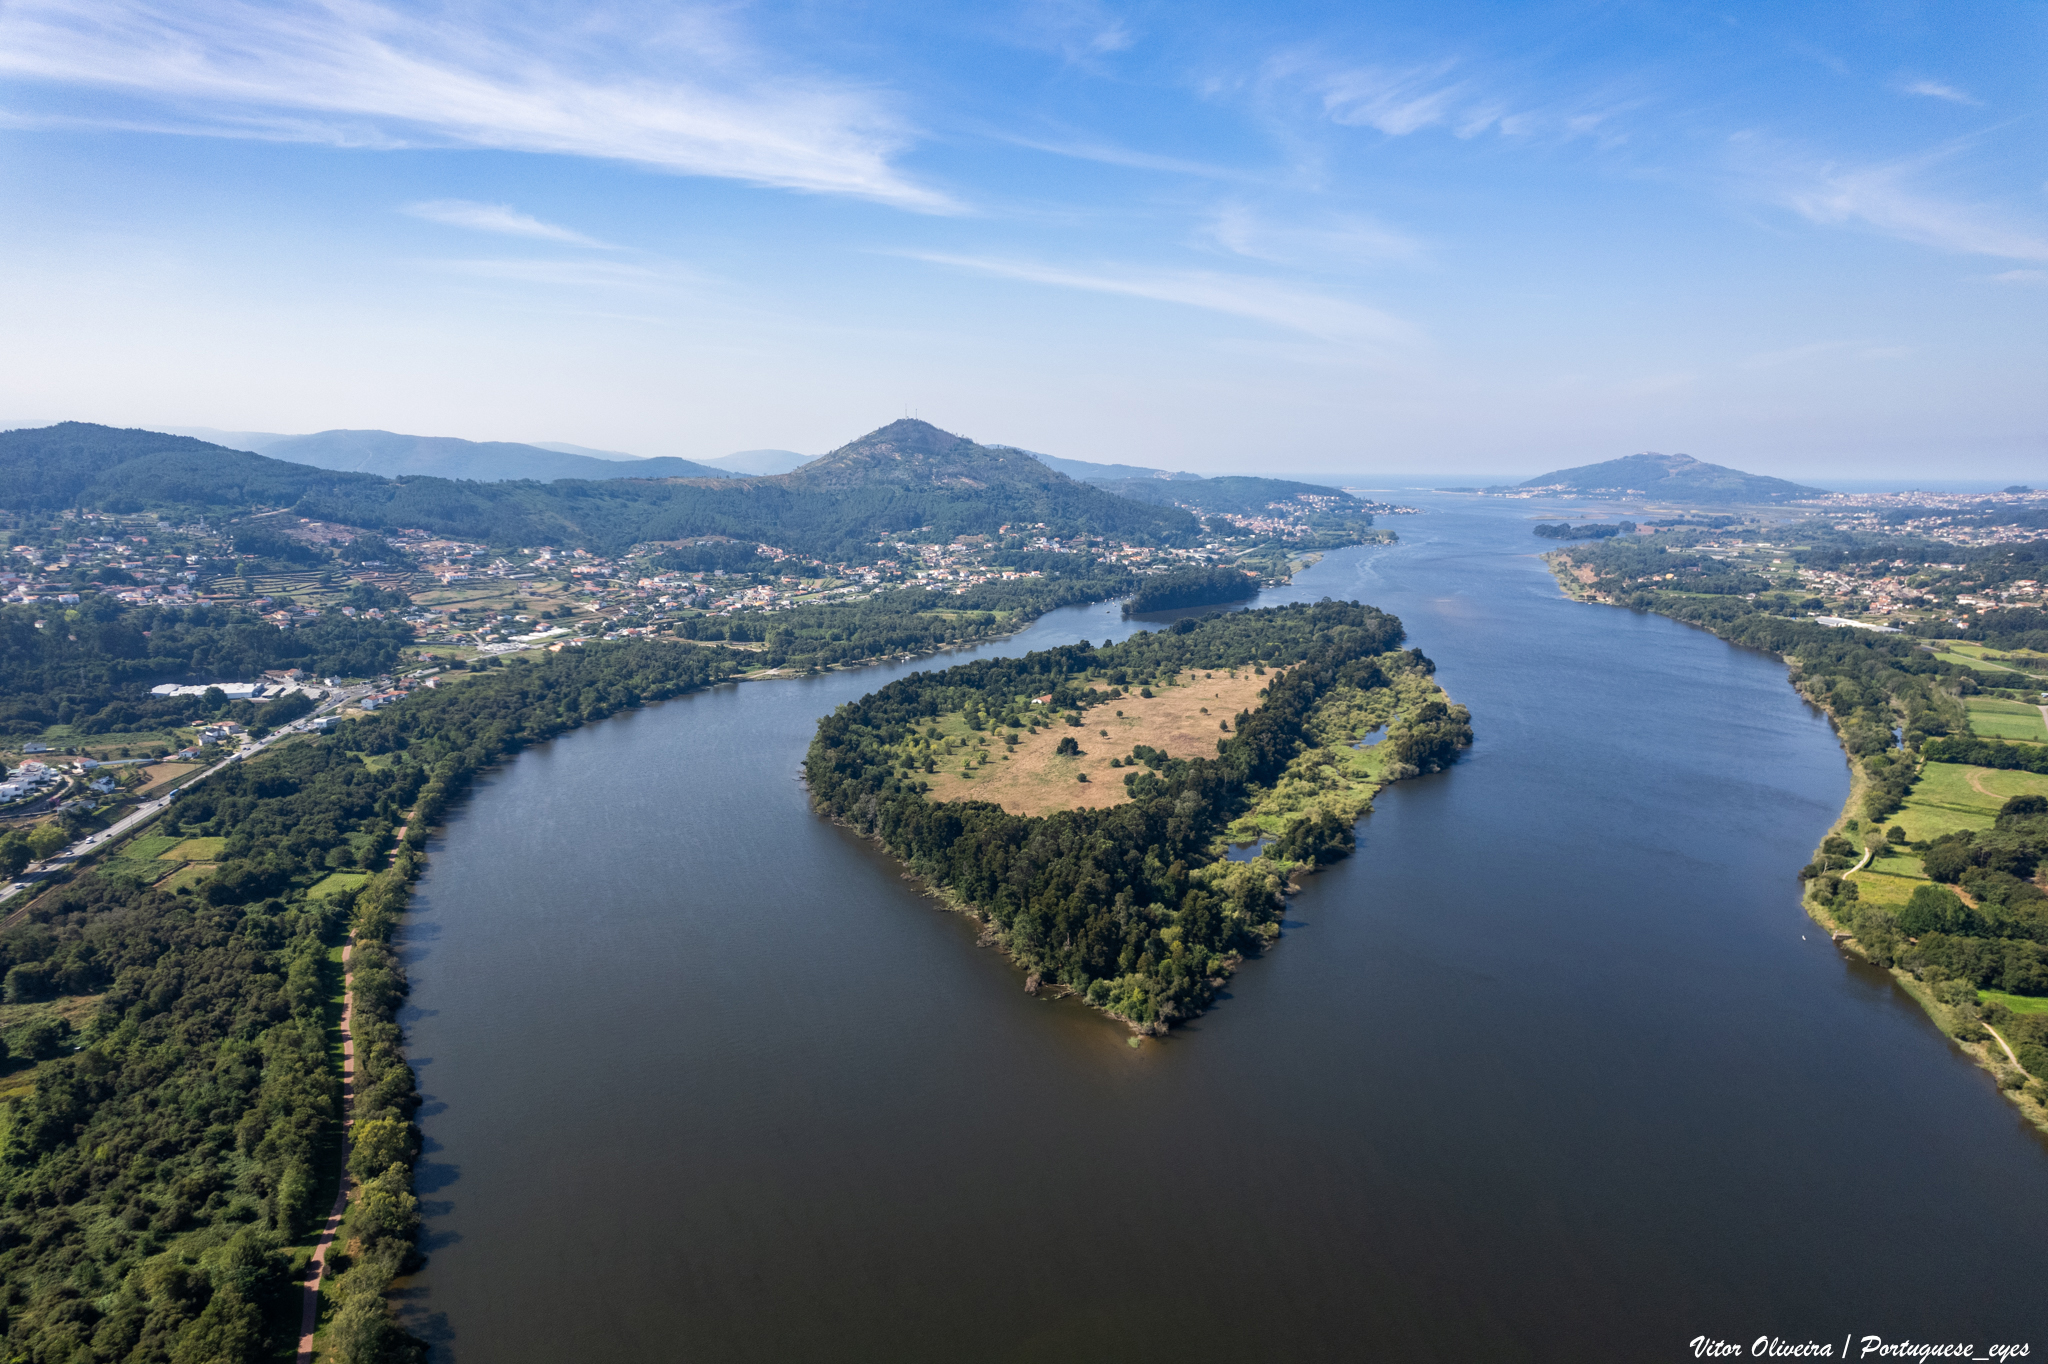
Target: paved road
(149, 810)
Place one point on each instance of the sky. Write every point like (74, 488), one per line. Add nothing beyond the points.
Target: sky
(1335, 239)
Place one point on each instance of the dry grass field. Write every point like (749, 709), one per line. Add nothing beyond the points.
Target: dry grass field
(1184, 721)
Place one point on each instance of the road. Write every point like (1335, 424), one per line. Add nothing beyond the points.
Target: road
(149, 810)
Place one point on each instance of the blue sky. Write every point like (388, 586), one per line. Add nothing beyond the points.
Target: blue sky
(1333, 239)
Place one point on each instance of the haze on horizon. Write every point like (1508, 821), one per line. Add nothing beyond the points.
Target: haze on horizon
(1807, 240)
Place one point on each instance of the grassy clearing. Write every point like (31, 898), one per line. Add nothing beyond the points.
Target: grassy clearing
(2006, 720)
(163, 774)
(195, 850)
(151, 845)
(1948, 797)
(1184, 720)
(335, 883)
(2019, 1004)
(191, 874)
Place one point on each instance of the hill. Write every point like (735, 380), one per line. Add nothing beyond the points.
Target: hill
(1099, 473)
(394, 455)
(1668, 478)
(903, 477)
(757, 463)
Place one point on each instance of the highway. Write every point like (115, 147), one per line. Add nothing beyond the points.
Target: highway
(148, 810)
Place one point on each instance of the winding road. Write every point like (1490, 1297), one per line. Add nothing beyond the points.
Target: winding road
(316, 1271)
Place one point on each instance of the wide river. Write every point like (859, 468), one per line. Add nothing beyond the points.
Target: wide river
(1554, 1068)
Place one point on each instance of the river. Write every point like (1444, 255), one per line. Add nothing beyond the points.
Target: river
(1554, 1068)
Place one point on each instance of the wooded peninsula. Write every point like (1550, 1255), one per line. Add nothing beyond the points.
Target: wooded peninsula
(1132, 902)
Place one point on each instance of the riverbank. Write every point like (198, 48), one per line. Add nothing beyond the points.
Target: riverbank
(1882, 785)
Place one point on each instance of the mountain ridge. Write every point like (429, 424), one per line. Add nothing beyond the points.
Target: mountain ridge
(905, 477)
(1667, 478)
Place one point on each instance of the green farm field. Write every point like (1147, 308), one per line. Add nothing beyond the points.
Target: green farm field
(2006, 720)
(1948, 796)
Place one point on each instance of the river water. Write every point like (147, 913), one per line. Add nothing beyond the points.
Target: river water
(1554, 1068)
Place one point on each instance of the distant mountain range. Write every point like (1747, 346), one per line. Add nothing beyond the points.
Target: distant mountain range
(1667, 478)
(759, 463)
(1099, 473)
(393, 455)
(906, 476)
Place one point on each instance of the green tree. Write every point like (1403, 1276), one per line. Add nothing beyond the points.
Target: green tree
(48, 838)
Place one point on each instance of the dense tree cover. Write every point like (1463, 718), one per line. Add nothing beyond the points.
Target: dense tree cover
(1988, 753)
(151, 1181)
(1185, 587)
(1244, 496)
(92, 666)
(906, 476)
(909, 619)
(1590, 530)
(1123, 905)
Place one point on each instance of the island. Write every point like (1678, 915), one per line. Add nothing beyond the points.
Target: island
(1082, 803)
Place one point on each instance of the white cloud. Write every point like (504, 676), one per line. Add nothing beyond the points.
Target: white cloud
(2022, 277)
(1396, 102)
(1278, 305)
(575, 274)
(1884, 198)
(1936, 90)
(501, 218)
(355, 71)
(1340, 241)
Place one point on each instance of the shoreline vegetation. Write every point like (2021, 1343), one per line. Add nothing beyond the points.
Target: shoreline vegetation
(1137, 907)
(163, 1179)
(1931, 871)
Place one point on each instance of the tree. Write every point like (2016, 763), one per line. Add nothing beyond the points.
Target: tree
(45, 1038)
(15, 855)
(48, 838)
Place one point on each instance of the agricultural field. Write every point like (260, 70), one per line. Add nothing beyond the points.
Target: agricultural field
(1183, 721)
(2006, 720)
(195, 850)
(1948, 796)
(337, 883)
(163, 774)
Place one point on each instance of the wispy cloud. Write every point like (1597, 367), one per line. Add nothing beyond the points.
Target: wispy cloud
(313, 69)
(1109, 154)
(1081, 31)
(1348, 240)
(1890, 197)
(2022, 277)
(1885, 198)
(1395, 101)
(1936, 90)
(574, 274)
(500, 218)
(1266, 301)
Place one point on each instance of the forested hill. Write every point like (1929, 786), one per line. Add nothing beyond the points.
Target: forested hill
(1670, 478)
(902, 477)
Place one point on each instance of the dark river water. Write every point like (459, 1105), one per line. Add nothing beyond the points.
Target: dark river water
(1554, 1068)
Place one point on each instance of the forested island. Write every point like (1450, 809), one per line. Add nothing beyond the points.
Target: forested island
(1187, 587)
(1931, 870)
(161, 1176)
(1016, 789)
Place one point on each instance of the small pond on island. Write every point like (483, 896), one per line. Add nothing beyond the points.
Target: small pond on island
(1554, 1068)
